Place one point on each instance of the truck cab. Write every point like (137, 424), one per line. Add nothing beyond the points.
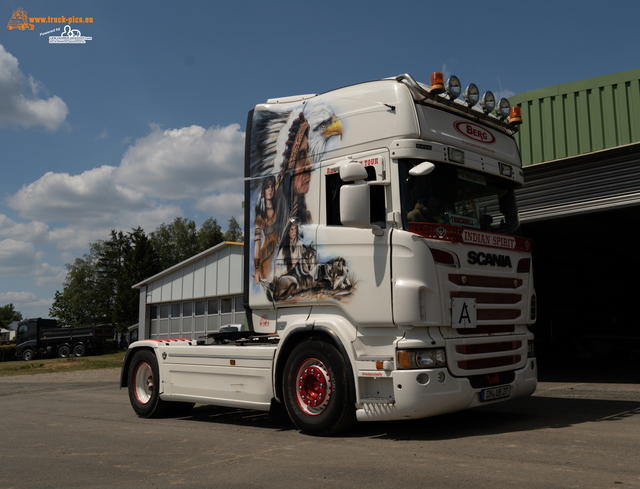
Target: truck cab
(385, 274)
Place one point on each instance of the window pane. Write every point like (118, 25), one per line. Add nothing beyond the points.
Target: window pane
(175, 310)
(187, 309)
(239, 304)
(226, 305)
(164, 311)
(200, 308)
(213, 306)
(153, 313)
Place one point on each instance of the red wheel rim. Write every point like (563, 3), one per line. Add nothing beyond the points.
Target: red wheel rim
(313, 386)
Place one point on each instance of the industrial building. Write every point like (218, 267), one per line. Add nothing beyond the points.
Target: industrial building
(195, 297)
(580, 147)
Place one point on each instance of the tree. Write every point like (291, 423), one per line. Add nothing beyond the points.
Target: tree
(234, 233)
(98, 286)
(8, 314)
(79, 303)
(140, 262)
(210, 234)
(175, 242)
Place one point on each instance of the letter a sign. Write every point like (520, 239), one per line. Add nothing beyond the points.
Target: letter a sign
(463, 313)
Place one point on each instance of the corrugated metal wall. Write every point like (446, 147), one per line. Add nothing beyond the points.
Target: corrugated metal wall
(580, 117)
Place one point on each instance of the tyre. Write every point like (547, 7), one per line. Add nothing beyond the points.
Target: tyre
(317, 390)
(79, 350)
(64, 351)
(27, 355)
(143, 378)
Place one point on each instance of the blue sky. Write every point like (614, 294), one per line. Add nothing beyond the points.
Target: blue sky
(145, 121)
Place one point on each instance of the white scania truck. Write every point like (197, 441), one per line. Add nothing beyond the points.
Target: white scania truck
(385, 276)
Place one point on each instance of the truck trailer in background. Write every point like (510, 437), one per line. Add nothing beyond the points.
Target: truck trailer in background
(42, 337)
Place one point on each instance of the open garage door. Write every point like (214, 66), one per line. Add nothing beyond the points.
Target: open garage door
(583, 215)
(588, 183)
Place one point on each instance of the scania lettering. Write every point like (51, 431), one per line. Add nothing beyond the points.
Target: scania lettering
(488, 259)
(361, 206)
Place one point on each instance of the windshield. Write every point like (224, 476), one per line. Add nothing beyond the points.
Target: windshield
(459, 197)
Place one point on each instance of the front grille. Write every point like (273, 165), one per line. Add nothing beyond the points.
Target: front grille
(484, 363)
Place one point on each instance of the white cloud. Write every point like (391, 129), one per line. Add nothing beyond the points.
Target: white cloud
(203, 166)
(48, 276)
(18, 109)
(185, 163)
(34, 231)
(223, 207)
(27, 303)
(91, 196)
(18, 258)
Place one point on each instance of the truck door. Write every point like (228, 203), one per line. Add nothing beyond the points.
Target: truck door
(354, 269)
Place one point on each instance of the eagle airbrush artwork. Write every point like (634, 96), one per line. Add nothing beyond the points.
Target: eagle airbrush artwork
(286, 148)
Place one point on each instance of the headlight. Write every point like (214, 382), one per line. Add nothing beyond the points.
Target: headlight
(431, 358)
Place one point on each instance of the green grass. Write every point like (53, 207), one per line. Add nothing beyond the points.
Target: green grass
(47, 365)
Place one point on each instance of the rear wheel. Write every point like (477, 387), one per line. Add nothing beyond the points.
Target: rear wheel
(317, 389)
(79, 350)
(143, 378)
(64, 351)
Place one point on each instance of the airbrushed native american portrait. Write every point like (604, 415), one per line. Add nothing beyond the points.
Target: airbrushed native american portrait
(286, 149)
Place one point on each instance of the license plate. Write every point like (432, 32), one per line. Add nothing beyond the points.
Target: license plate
(495, 393)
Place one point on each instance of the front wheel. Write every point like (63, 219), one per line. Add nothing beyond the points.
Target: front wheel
(27, 355)
(317, 390)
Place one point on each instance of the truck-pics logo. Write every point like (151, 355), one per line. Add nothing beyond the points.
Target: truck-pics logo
(69, 36)
(19, 20)
(474, 131)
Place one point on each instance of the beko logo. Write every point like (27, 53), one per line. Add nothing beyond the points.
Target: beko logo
(474, 131)
(481, 258)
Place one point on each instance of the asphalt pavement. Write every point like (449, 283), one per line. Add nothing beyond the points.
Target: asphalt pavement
(578, 430)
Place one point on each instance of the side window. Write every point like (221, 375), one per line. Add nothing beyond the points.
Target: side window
(226, 305)
(377, 206)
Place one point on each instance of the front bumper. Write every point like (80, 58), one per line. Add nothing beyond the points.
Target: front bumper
(414, 400)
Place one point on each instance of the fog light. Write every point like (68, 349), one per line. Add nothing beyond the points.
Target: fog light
(441, 377)
(422, 379)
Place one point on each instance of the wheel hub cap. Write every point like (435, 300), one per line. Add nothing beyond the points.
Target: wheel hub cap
(313, 386)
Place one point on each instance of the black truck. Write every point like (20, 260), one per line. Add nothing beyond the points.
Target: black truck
(45, 337)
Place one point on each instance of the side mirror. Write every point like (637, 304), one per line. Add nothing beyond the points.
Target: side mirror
(355, 198)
